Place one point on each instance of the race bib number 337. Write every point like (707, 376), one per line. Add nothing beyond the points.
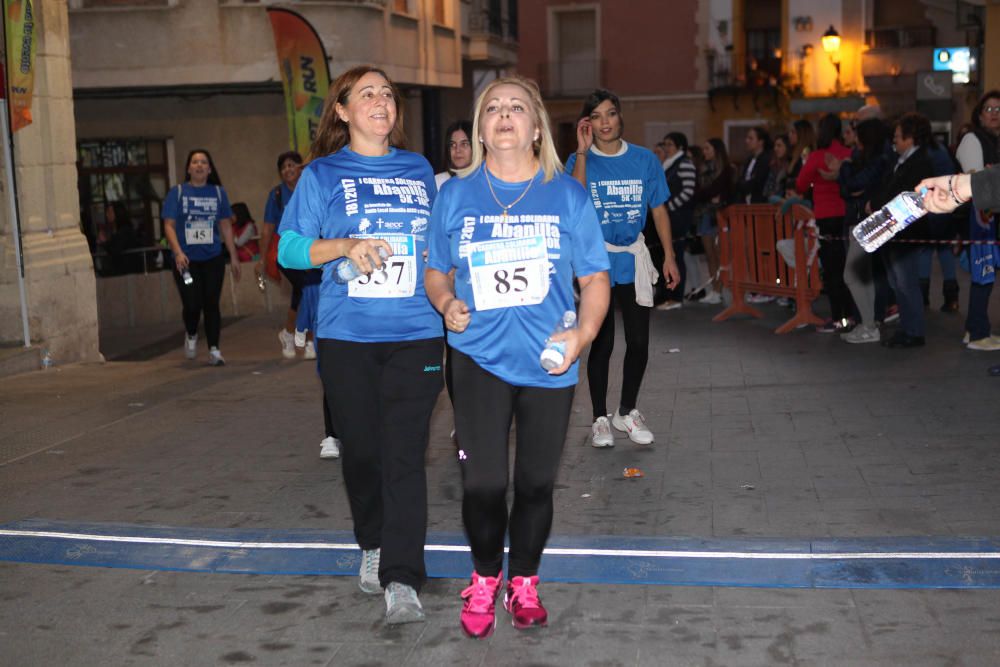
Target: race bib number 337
(398, 276)
(509, 272)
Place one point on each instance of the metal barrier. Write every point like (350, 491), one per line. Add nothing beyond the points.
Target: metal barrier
(748, 255)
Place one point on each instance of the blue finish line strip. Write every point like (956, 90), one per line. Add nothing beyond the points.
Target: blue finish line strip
(767, 563)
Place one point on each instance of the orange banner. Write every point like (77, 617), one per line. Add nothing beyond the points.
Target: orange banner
(20, 40)
(304, 75)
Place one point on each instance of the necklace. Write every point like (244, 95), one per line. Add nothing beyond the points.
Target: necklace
(505, 207)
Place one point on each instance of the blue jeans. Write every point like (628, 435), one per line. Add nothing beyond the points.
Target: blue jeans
(903, 268)
(977, 321)
(945, 257)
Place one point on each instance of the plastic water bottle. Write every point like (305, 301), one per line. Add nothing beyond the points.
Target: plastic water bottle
(47, 361)
(186, 277)
(261, 285)
(554, 353)
(347, 270)
(890, 220)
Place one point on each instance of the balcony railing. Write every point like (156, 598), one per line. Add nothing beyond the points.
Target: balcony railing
(570, 78)
(898, 37)
(758, 73)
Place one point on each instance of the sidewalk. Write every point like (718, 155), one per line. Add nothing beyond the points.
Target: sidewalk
(796, 437)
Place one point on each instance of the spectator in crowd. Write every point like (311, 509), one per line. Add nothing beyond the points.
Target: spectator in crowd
(244, 233)
(859, 177)
(713, 196)
(682, 178)
(978, 149)
(802, 136)
(829, 209)
(753, 175)
(911, 136)
(458, 148)
(940, 230)
(777, 178)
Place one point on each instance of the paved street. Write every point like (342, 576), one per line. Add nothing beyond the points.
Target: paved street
(761, 439)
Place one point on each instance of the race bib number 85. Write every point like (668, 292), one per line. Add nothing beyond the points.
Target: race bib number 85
(509, 272)
(398, 276)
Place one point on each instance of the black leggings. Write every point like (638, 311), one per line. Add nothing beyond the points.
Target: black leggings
(380, 397)
(202, 295)
(484, 408)
(331, 432)
(833, 259)
(635, 319)
(297, 279)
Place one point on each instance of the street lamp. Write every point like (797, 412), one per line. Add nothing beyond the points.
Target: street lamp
(831, 44)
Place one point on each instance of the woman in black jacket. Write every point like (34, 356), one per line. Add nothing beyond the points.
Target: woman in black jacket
(910, 139)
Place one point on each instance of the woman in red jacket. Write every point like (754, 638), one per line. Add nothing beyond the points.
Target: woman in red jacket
(829, 208)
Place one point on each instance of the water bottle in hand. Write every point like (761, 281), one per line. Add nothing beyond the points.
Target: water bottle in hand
(891, 219)
(347, 270)
(186, 276)
(554, 353)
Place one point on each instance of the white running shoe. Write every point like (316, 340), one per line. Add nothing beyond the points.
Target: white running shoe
(601, 433)
(287, 344)
(862, 334)
(368, 574)
(191, 346)
(215, 357)
(329, 448)
(635, 425)
(310, 350)
(402, 604)
(669, 305)
(988, 344)
(712, 298)
(300, 338)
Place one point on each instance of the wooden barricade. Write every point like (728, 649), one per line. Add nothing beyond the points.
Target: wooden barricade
(748, 234)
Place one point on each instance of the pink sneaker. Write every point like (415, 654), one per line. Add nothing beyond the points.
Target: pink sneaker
(478, 615)
(521, 600)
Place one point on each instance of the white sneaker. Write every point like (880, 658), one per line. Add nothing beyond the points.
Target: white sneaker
(635, 425)
(712, 298)
(601, 433)
(402, 604)
(368, 574)
(191, 346)
(310, 351)
(287, 344)
(862, 334)
(670, 305)
(329, 448)
(988, 344)
(215, 357)
(299, 338)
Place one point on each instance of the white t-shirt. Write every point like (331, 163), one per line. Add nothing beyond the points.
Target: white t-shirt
(970, 153)
(441, 177)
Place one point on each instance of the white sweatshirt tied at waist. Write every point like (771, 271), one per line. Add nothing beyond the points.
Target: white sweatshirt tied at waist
(645, 272)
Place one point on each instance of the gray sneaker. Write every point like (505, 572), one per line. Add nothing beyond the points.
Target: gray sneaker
(369, 571)
(862, 334)
(402, 604)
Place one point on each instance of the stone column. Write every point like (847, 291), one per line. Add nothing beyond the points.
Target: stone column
(59, 273)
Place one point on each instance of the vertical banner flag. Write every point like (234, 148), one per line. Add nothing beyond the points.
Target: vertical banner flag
(20, 38)
(304, 75)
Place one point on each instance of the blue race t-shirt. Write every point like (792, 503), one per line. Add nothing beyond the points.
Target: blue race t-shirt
(350, 195)
(548, 237)
(197, 211)
(623, 187)
(275, 204)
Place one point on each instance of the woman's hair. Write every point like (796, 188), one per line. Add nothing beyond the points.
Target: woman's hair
(721, 154)
(333, 133)
(464, 126)
(294, 156)
(806, 138)
(213, 175)
(594, 100)
(978, 111)
(241, 212)
(544, 148)
(787, 160)
(871, 135)
(830, 128)
(763, 135)
(679, 139)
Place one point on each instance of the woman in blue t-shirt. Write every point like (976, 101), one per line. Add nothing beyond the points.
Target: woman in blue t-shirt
(197, 219)
(379, 340)
(624, 181)
(508, 235)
